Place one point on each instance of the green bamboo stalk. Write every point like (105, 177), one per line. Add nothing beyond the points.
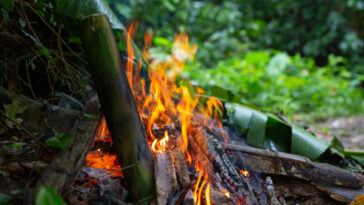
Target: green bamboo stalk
(118, 106)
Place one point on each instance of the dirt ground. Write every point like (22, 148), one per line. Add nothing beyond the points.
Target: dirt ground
(350, 131)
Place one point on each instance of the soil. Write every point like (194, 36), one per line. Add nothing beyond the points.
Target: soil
(350, 131)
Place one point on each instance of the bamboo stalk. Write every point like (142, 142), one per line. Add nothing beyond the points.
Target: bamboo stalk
(118, 106)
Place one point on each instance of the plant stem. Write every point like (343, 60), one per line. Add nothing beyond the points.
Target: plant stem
(354, 152)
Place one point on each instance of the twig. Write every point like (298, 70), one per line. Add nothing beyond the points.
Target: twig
(29, 83)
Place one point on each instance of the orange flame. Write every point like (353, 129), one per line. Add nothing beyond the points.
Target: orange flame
(185, 108)
(100, 160)
(160, 143)
(245, 173)
(130, 62)
(226, 193)
(165, 102)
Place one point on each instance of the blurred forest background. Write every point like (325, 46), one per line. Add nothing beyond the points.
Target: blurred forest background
(302, 58)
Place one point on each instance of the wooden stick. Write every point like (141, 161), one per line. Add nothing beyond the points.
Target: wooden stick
(270, 162)
(121, 114)
(165, 176)
(66, 165)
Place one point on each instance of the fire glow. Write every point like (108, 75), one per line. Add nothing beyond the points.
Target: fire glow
(165, 103)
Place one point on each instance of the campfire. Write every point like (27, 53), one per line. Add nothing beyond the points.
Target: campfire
(184, 131)
(174, 131)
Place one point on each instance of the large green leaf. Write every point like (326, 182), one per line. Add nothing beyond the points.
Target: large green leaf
(304, 143)
(270, 132)
(81, 8)
(47, 196)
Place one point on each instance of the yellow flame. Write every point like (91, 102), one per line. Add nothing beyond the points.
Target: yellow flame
(207, 194)
(226, 193)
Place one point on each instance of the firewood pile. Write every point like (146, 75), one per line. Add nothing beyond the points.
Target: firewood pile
(245, 175)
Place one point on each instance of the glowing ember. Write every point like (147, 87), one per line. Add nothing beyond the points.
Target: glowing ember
(226, 193)
(245, 173)
(100, 160)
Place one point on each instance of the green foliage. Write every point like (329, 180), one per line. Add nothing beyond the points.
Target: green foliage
(10, 111)
(7, 4)
(46, 54)
(313, 28)
(4, 199)
(89, 116)
(276, 81)
(336, 147)
(59, 140)
(47, 196)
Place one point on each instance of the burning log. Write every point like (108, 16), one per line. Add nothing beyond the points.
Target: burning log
(226, 171)
(165, 176)
(270, 162)
(118, 106)
(181, 168)
(66, 165)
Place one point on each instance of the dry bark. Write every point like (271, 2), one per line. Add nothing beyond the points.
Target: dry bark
(165, 176)
(181, 168)
(342, 194)
(66, 165)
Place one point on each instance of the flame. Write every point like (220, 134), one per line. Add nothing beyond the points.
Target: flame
(130, 62)
(185, 108)
(195, 195)
(99, 160)
(161, 101)
(245, 173)
(207, 194)
(226, 193)
(147, 42)
(102, 132)
(160, 143)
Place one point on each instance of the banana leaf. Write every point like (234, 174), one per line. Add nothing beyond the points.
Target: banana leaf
(78, 9)
(81, 8)
(268, 131)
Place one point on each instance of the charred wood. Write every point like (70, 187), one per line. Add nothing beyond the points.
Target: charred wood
(225, 169)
